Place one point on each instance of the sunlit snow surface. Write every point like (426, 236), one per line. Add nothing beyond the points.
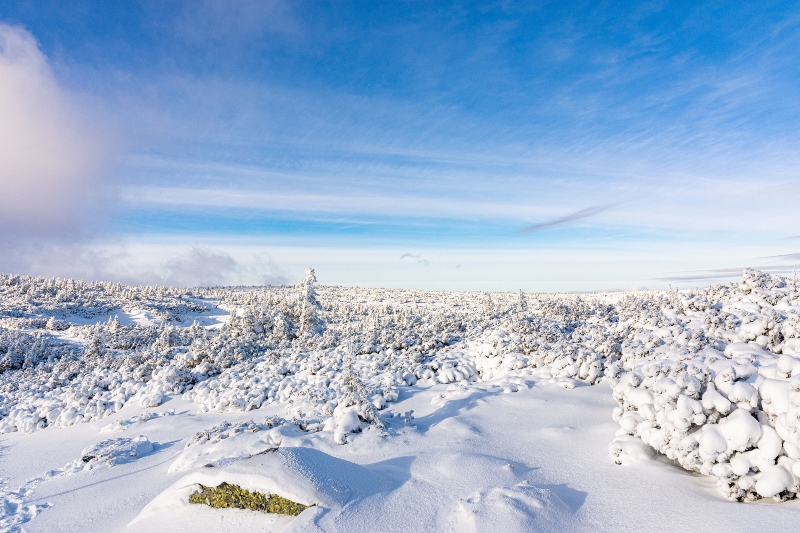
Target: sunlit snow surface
(393, 410)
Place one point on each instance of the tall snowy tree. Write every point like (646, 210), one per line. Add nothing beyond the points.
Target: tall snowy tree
(309, 304)
(522, 304)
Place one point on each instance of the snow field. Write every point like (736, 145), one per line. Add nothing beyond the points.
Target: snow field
(708, 379)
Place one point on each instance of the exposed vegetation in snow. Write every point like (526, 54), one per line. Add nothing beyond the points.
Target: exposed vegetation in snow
(226, 495)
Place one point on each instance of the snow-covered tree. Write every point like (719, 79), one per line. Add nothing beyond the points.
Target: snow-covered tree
(309, 304)
(522, 304)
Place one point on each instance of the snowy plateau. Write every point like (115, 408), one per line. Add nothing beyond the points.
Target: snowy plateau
(399, 410)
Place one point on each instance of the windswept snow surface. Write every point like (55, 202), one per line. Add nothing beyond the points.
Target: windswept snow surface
(392, 410)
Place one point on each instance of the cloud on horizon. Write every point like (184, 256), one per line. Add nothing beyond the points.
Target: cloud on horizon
(173, 265)
(785, 257)
(726, 273)
(414, 257)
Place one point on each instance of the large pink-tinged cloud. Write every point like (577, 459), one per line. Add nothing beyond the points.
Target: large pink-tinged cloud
(50, 158)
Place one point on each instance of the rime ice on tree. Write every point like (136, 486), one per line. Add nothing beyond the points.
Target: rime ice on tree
(309, 304)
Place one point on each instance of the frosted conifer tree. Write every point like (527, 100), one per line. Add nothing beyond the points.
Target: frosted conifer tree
(32, 355)
(488, 305)
(96, 346)
(309, 305)
(354, 392)
(522, 304)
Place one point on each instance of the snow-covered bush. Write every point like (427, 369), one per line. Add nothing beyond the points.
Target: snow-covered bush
(708, 385)
(111, 453)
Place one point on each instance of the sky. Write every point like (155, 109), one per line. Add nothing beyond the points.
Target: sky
(542, 146)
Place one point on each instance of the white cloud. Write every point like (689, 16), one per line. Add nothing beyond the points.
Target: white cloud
(200, 267)
(49, 158)
(204, 267)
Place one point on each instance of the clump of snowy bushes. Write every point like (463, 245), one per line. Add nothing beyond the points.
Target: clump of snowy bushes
(709, 378)
(712, 381)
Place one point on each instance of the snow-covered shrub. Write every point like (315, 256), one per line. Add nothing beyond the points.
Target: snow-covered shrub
(707, 386)
(111, 452)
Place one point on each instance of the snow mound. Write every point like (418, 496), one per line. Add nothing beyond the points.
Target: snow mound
(303, 475)
(223, 444)
(716, 387)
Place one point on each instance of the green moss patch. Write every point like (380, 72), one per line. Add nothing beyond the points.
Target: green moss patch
(234, 496)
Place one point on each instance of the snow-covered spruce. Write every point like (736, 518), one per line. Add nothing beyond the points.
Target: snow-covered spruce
(710, 378)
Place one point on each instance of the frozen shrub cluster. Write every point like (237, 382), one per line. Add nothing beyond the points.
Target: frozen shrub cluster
(26, 349)
(223, 431)
(710, 382)
(122, 425)
(709, 378)
(42, 298)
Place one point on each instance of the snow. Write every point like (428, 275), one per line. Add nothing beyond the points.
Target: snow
(626, 450)
(462, 412)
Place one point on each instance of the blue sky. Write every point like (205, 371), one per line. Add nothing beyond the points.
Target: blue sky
(454, 145)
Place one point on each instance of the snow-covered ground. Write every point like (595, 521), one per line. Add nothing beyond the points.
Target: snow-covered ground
(392, 410)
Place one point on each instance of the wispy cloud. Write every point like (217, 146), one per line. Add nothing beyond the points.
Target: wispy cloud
(568, 219)
(727, 273)
(785, 257)
(416, 258)
(330, 202)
